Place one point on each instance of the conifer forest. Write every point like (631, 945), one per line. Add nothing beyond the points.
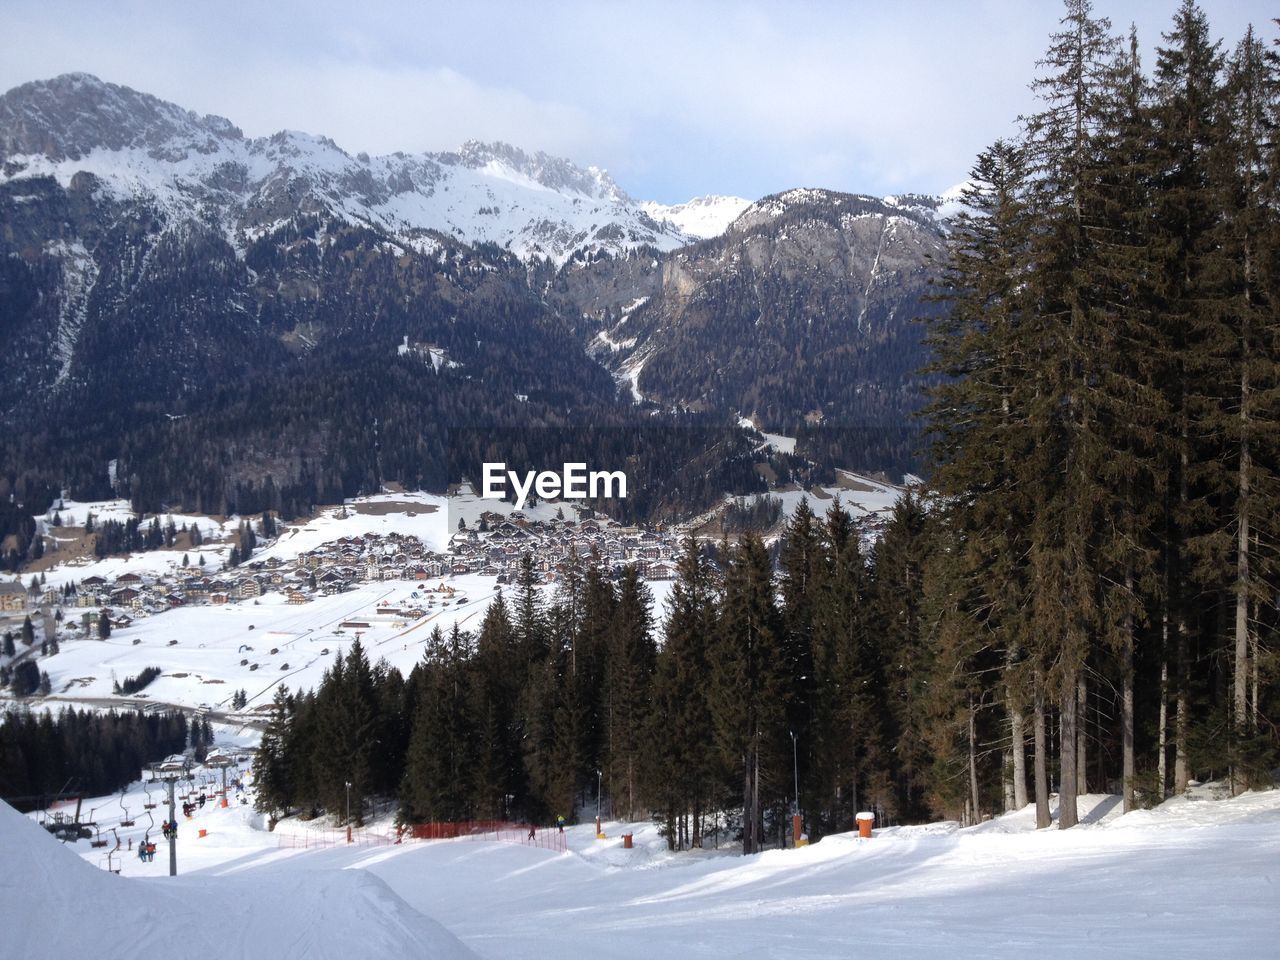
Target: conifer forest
(1082, 596)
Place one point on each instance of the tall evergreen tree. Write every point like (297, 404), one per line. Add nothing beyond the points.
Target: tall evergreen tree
(748, 685)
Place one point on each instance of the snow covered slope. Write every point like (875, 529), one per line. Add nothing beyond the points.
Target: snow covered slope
(701, 217)
(187, 167)
(1193, 878)
(332, 914)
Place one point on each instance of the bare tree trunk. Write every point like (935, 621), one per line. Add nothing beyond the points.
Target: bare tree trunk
(1253, 692)
(1162, 760)
(1129, 769)
(1182, 710)
(853, 784)
(1067, 814)
(1019, 760)
(1082, 736)
(1043, 818)
(973, 759)
(748, 817)
(1241, 704)
(1181, 682)
(757, 822)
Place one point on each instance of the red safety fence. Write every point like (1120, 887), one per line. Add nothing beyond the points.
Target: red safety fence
(502, 831)
(317, 839)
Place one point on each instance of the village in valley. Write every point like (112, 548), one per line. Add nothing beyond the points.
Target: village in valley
(251, 604)
(492, 546)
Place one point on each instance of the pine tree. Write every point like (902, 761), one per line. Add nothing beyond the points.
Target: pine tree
(1070, 447)
(349, 726)
(1184, 216)
(748, 683)
(273, 779)
(437, 774)
(896, 598)
(851, 759)
(800, 564)
(682, 770)
(495, 679)
(1244, 346)
(631, 655)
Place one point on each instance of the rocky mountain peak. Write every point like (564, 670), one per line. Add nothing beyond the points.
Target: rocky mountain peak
(831, 206)
(554, 173)
(71, 115)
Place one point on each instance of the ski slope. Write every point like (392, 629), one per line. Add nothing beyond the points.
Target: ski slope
(54, 905)
(1194, 878)
(200, 649)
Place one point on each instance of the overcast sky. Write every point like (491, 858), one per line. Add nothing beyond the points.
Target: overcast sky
(674, 99)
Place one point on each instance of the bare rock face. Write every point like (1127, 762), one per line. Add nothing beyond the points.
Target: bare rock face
(803, 310)
(69, 116)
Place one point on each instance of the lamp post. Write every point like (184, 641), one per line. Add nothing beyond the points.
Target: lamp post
(795, 804)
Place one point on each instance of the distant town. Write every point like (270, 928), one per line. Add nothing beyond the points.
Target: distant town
(492, 546)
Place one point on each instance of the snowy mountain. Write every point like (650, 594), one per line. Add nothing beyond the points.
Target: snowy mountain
(802, 312)
(701, 217)
(220, 313)
(187, 167)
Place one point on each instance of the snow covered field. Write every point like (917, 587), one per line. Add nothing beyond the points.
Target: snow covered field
(206, 652)
(1192, 879)
(203, 665)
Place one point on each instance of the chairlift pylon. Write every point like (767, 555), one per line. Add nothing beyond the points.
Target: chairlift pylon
(126, 820)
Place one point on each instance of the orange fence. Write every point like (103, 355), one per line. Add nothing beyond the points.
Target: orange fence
(317, 839)
(546, 838)
(501, 831)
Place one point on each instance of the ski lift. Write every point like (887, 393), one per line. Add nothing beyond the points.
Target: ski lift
(111, 867)
(149, 804)
(126, 820)
(97, 841)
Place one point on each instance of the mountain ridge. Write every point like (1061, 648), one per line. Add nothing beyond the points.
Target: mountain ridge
(222, 314)
(534, 204)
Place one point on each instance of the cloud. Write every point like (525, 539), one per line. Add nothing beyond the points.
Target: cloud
(675, 98)
(382, 110)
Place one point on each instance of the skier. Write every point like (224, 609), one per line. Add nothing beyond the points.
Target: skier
(560, 822)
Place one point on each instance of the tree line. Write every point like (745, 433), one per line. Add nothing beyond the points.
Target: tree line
(1105, 437)
(89, 752)
(755, 680)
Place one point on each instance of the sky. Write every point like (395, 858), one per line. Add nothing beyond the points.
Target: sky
(675, 99)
